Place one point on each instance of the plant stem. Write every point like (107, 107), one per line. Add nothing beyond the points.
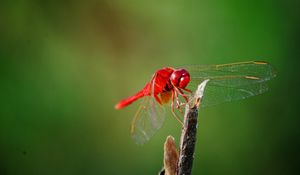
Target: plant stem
(189, 132)
(188, 141)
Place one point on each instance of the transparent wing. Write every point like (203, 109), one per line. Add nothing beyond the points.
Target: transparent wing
(147, 120)
(215, 95)
(229, 82)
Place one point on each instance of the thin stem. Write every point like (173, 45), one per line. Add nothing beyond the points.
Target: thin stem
(188, 138)
(188, 141)
(189, 132)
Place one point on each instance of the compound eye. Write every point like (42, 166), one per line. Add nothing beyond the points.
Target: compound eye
(184, 81)
(175, 78)
(180, 78)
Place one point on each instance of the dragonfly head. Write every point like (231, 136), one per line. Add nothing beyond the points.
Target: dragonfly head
(180, 78)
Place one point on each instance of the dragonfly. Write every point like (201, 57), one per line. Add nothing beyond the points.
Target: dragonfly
(227, 82)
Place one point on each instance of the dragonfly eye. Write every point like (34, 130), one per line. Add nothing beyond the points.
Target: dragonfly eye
(180, 78)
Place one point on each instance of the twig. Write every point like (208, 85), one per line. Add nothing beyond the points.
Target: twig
(187, 141)
(189, 132)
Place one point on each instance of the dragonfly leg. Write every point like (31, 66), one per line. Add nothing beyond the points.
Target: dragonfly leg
(182, 104)
(172, 103)
(177, 118)
(180, 92)
(178, 103)
(177, 99)
(187, 90)
(157, 99)
(179, 109)
(172, 108)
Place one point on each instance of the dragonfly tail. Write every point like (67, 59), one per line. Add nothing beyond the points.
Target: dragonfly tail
(129, 100)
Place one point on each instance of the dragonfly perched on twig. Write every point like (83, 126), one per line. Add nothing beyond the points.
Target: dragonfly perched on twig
(227, 82)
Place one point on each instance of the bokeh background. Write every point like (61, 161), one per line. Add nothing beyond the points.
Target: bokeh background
(65, 64)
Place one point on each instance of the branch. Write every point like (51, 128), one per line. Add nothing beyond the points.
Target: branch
(183, 166)
(189, 132)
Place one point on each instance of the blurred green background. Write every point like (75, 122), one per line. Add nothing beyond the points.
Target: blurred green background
(65, 64)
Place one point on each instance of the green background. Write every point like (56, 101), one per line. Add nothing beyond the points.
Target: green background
(65, 64)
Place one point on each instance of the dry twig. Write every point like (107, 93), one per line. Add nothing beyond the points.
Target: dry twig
(187, 141)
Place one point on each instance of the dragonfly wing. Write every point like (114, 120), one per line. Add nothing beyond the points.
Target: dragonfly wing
(234, 74)
(147, 120)
(215, 95)
(229, 82)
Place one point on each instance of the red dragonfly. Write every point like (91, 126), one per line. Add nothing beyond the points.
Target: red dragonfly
(227, 82)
